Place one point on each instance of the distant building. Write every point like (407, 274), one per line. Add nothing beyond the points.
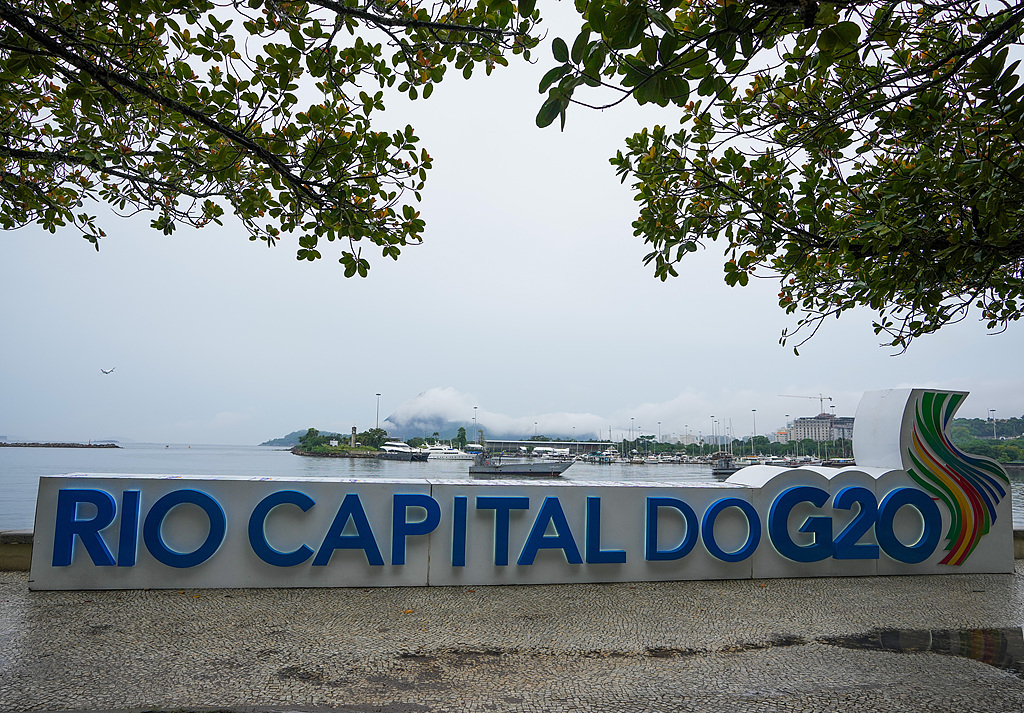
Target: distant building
(823, 427)
(842, 428)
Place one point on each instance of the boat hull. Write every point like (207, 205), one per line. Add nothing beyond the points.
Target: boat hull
(407, 457)
(536, 470)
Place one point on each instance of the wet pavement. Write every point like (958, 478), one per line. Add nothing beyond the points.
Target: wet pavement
(948, 643)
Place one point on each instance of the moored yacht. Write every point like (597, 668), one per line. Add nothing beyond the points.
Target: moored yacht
(400, 450)
(438, 451)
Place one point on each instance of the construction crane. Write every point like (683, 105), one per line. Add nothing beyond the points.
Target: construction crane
(821, 399)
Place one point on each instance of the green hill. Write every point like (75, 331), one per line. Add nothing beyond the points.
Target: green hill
(292, 439)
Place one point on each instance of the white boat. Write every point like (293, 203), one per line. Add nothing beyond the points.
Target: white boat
(609, 455)
(440, 451)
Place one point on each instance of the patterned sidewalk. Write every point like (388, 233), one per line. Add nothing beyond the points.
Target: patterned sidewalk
(950, 643)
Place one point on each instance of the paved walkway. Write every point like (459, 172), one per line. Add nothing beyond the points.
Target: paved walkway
(777, 645)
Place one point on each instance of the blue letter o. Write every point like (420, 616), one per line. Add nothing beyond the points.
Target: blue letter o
(925, 545)
(707, 529)
(154, 540)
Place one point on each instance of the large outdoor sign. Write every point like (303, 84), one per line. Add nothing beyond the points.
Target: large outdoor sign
(914, 504)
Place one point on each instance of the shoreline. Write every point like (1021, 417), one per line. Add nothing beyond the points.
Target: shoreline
(296, 450)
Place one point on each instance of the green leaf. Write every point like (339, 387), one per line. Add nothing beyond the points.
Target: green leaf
(661, 20)
(667, 48)
(559, 50)
(579, 46)
(17, 62)
(849, 32)
(649, 49)
(828, 40)
(594, 64)
(839, 38)
(553, 75)
(549, 111)
(596, 17)
(650, 91)
(699, 70)
(625, 25)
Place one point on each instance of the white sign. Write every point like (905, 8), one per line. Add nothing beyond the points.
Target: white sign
(912, 505)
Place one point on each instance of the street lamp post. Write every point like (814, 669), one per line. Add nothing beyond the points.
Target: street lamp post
(753, 433)
(476, 431)
(833, 427)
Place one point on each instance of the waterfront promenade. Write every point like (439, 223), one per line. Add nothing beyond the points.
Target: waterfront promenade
(775, 645)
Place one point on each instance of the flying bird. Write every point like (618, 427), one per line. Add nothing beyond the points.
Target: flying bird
(108, 371)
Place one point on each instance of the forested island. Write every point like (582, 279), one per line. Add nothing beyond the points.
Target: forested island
(316, 443)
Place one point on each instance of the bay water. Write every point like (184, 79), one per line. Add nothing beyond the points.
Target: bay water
(20, 469)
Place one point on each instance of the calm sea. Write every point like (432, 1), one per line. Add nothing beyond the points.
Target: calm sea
(20, 469)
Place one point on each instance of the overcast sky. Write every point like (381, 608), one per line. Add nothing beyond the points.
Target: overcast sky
(528, 300)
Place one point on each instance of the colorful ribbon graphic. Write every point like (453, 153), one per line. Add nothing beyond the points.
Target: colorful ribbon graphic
(969, 486)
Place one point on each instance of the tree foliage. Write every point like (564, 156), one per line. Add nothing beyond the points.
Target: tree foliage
(974, 436)
(976, 428)
(188, 109)
(372, 437)
(313, 438)
(864, 153)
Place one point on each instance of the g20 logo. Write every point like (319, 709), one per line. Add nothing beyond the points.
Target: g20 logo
(871, 514)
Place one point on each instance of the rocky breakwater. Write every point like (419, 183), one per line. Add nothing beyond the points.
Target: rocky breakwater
(4, 444)
(300, 451)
